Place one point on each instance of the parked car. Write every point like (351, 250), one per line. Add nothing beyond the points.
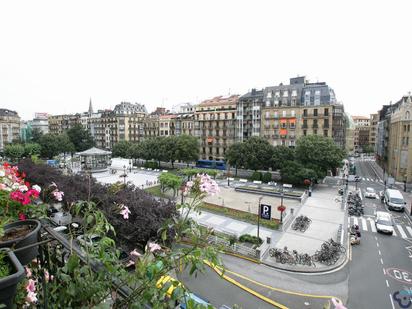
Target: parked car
(382, 195)
(384, 222)
(370, 192)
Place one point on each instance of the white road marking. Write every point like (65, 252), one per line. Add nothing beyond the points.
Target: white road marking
(376, 238)
(390, 297)
(384, 272)
(379, 251)
(394, 233)
(409, 229)
(364, 225)
(381, 261)
(372, 223)
(387, 283)
(377, 244)
(401, 231)
(355, 221)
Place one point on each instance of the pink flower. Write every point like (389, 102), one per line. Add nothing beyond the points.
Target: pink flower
(31, 297)
(28, 272)
(3, 186)
(154, 247)
(124, 211)
(58, 195)
(33, 192)
(135, 253)
(37, 188)
(338, 304)
(20, 197)
(22, 217)
(47, 276)
(31, 286)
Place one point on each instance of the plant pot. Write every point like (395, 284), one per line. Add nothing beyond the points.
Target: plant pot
(26, 255)
(8, 284)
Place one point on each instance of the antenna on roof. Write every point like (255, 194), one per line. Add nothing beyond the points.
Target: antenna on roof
(229, 92)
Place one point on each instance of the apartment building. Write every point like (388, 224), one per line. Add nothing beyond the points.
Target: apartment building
(61, 123)
(362, 132)
(214, 124)
(9, 127)
(374, 118)
(167, 125)
(400, 140)
(301, 108)
(248, 115)
(350, 134)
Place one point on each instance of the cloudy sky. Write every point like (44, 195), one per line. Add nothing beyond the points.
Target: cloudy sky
(55, 55)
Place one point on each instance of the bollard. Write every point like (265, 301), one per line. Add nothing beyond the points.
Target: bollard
(268, 240)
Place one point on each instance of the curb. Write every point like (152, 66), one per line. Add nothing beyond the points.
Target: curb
(245, 288)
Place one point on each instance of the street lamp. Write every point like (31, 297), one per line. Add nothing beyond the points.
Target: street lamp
(124, 174)
(258, 228)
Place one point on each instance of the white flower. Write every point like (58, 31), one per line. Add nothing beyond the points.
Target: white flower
(15, 186)
(2, 173)
(124, 211)
(23, 188)
(37, 188)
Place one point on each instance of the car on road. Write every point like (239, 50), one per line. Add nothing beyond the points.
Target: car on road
(394, 200)
(384, 222)
(370, 192)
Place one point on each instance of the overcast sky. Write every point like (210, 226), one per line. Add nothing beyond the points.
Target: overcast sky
(55, 55)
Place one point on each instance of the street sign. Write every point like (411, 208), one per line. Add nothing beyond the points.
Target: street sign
(285, 185)
(265, 211)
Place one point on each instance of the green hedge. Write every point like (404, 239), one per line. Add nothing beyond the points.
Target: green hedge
(151, 164)
(257, 176)
(267, 177)
(239, 215)
(251, 239)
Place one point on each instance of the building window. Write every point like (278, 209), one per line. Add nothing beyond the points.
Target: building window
(267, 103)
(317, 97)
(326, 112)
(294, 93)
(210, 149)
(307, 97)
(315, 132)
(304, 132)
(275, 114)
(285, 94)
(283, 142)
(217, 150)
(267, 114)
(315, 112)
(292, 113)
(283, 125)
(283, 113)
(325, 133)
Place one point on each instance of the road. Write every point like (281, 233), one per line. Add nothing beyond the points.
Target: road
(382, 264)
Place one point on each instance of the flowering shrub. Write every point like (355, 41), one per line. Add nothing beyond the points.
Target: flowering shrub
(16, 194)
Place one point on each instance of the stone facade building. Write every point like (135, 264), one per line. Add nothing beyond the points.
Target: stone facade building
(9, 127)
(214, 124)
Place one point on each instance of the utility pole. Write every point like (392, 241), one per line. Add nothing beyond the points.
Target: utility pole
(258, 228)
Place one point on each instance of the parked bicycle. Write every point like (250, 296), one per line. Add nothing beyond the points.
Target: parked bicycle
(301, 223)
(292, 258)
(329, 253)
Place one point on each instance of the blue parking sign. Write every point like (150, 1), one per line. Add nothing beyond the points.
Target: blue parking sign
(265, 211)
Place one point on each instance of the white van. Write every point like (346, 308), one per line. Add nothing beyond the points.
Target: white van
(394, 200)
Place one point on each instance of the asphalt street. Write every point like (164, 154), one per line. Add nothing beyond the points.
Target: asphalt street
(381, 265)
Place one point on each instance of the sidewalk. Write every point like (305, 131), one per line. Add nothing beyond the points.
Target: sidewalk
(324, 209)
(236, 227)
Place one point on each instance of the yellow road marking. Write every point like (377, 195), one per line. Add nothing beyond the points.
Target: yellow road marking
(258, 295)
(273, 288)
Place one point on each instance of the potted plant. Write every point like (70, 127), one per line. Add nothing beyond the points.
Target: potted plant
(21, 234)
(11, 273)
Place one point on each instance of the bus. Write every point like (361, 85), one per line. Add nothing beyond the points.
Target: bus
(218, 165)
(189, 296)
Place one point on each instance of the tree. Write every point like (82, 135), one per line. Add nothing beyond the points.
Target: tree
(121, 149)
(235, 156)
(281, 155)
(52, 145)
(170, 181)
(14, 151)
(80, 137)
(257, 153)
(134, 151)
(187, 148)
(32, 149)
(169, 149)
(36, 134)
(295, 173)
(319, 152)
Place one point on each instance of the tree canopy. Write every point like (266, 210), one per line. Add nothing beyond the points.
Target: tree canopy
(80, 137)
(14, 151)
(281, 155)
(121, 149)
(235, 155)
(319, 151)
(52, 145)
(257, 153)
(187, 148)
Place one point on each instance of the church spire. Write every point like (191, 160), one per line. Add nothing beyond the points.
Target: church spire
(90, 107)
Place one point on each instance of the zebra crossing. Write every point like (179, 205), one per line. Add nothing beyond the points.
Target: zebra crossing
(368, 225)
(372, 179)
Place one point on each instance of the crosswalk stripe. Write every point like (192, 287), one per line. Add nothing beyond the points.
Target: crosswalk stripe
(355, 221)
(394, 233)
(363, 178)
(364, 225)
(373, 228)
(401, 231)
(409, 230)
